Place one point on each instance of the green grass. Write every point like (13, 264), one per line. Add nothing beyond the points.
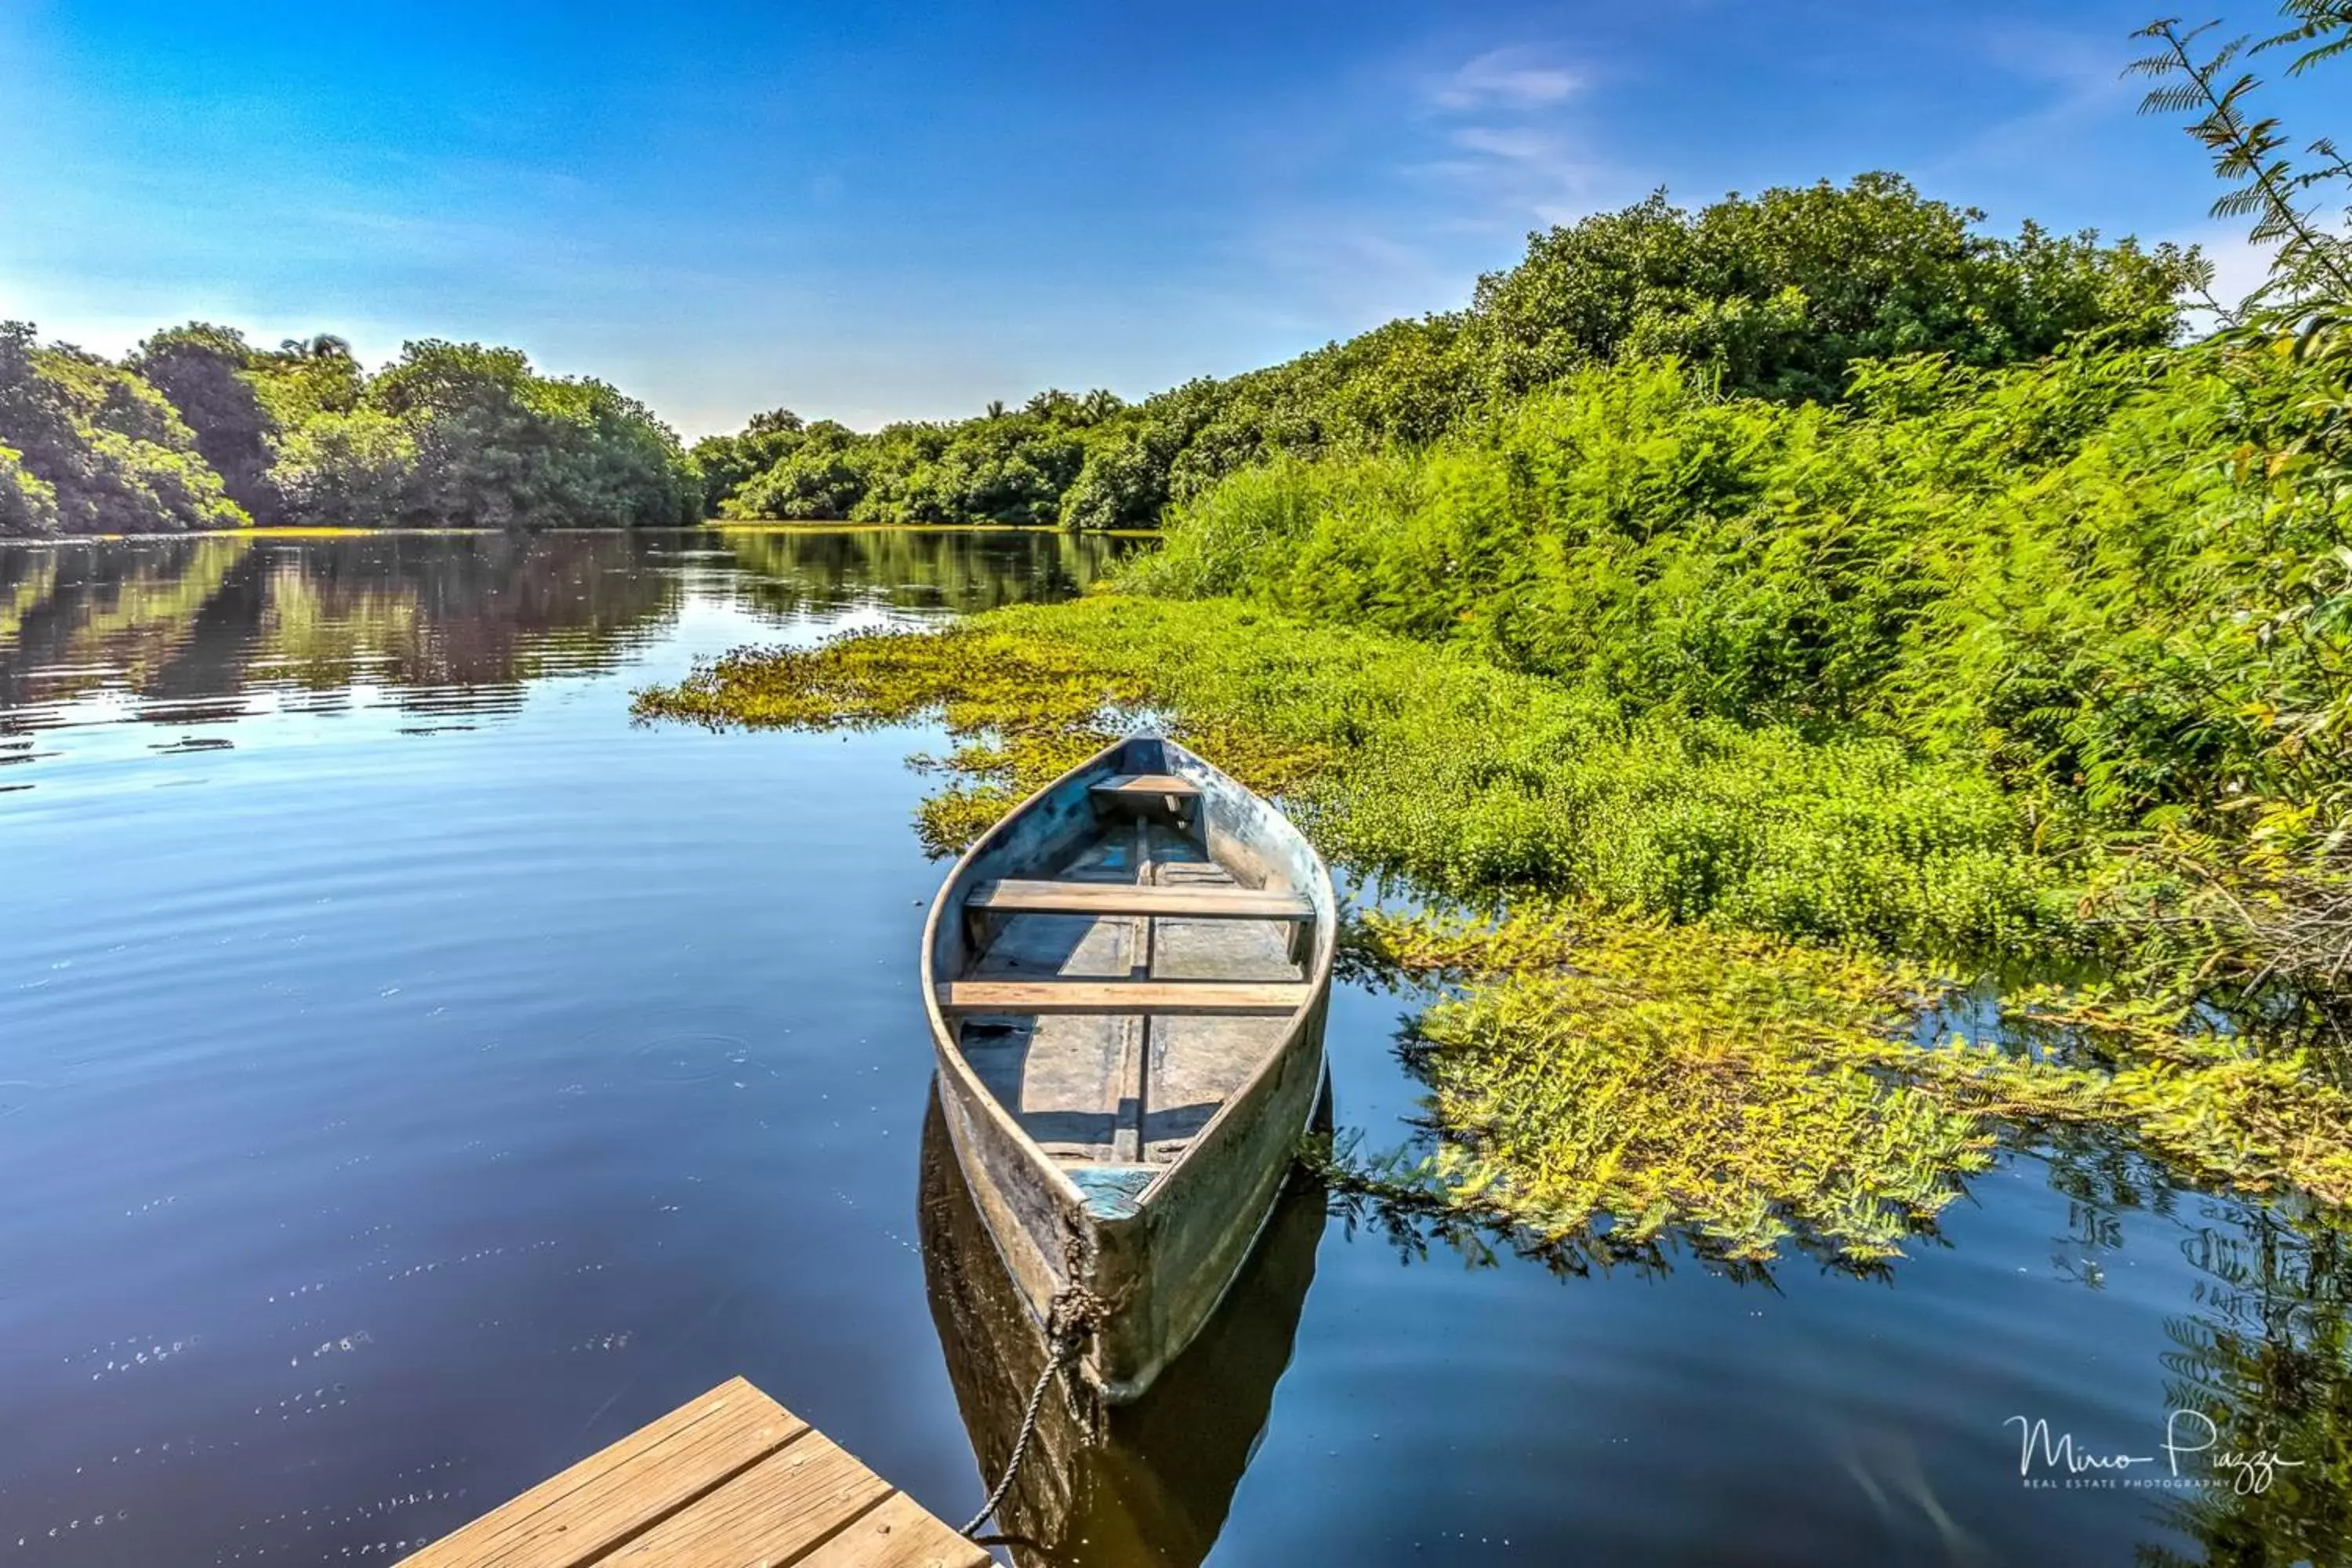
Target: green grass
(1429, 765)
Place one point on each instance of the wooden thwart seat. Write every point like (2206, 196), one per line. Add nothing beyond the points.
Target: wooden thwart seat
(1190, 900)
(732, 1478)
(1155, 787)
(1169, 996)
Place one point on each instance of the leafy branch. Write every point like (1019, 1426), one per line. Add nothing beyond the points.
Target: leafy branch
(2248, 152)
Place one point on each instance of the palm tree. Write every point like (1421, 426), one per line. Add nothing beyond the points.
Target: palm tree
(325, 345)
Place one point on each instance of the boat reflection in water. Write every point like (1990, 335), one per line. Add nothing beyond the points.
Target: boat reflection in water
(1144, 1483)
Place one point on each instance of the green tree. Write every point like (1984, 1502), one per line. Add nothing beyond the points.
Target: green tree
(351, 469)
(207, 371)
(816, 478)
(93, 448)
(460, 434)
(1780, 293)
(2267, 184)
(729, 462)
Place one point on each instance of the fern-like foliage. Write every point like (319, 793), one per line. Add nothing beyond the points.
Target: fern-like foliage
(2250, 151)
(2324, 28)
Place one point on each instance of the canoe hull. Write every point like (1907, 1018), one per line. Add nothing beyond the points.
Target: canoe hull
(1156, 1272)
(1146, 1483)
(1160, 1272)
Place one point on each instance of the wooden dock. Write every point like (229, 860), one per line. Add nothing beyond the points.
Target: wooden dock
(732, 1479)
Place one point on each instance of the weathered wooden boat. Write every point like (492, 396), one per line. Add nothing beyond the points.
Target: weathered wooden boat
(1150, 1481)
(1127, 980)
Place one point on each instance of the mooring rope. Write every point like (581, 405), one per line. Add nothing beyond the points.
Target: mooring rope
(1073, 1312)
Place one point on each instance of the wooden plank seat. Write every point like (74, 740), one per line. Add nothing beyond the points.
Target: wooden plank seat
(730, 1480)
(1151, 786)
(1192, 900)
(1169, 996)
(1145, 795)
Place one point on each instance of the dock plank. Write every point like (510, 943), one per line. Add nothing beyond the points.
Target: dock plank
(798, 1496)
(1172, 997)
(1196, 901)
(730, 1480)
(898, 1534)
(619, 1491)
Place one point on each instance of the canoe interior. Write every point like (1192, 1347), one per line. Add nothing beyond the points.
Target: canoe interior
(1115, 1097)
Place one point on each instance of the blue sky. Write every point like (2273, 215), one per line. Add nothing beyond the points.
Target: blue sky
(905, 212)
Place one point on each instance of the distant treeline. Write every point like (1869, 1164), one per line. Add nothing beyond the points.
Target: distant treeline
(198, 429)
(1778, 297)
(1775, 296)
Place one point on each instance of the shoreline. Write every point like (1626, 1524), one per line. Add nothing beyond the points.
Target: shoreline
(708, 527)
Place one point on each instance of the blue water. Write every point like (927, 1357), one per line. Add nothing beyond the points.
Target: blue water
(413, 1075)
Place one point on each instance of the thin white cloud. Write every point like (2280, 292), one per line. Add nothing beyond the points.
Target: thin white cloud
(1518, 144)
(1519, 76)
(1508, 155)
(2077, 82)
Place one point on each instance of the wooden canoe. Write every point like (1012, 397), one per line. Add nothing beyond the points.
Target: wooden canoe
(1127, 980)
(1147, 1482)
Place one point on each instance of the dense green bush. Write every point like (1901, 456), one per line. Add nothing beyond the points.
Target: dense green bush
(29, 503)
(2106, 574)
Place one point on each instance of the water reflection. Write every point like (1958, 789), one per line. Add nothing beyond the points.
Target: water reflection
(2261, 1365)
(445, 625)
(792, 572)
(2256, 1360)
(1148, 1483)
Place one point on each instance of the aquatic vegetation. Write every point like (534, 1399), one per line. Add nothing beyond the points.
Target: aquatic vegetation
(1719, 1082)
(1432, 765)
(1760, 1091)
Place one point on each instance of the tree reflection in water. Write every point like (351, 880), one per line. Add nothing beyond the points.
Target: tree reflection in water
(2267, 1360)
(795, 571)
(449, 623)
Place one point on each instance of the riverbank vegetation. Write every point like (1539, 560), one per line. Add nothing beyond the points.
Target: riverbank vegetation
(1774, 295)
(1811, 747)
(198, 429)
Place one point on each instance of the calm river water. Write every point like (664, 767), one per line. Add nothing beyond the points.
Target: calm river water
(412, 1077)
